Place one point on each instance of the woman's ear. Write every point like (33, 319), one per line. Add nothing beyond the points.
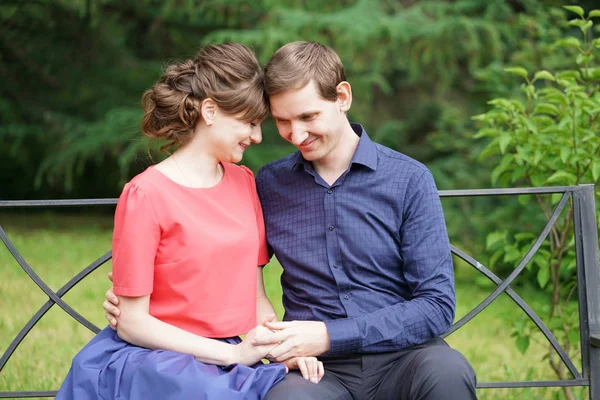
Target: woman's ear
(208, 110)
(344, 94)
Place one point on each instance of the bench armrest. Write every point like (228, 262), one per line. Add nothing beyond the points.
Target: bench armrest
(595, 340)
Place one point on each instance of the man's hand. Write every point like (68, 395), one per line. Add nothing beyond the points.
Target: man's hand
(111, 306)
(295, 339)
(310, 368)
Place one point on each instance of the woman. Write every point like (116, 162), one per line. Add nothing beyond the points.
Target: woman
(188, 244)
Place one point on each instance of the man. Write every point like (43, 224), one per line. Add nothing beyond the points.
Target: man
(368, 282)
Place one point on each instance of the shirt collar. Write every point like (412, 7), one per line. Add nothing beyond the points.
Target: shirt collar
(365, 153)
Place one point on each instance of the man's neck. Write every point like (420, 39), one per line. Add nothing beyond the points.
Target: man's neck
(331, 167)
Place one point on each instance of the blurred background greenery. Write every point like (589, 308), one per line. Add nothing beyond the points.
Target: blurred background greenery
(73, 72)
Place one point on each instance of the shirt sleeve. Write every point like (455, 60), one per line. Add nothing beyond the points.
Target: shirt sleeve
(135, 241)
(427, 268)
(263, 254)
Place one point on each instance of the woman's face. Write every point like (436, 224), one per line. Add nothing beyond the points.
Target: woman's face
(229, 136)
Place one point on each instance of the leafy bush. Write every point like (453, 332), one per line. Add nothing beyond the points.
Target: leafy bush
(549, 136)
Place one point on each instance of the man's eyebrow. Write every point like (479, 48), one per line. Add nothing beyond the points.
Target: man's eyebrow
(300, 116)
(308, 114)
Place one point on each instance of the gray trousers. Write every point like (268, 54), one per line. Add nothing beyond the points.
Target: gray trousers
(431, 371)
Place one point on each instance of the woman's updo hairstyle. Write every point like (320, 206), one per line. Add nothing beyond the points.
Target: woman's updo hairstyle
(228, 73)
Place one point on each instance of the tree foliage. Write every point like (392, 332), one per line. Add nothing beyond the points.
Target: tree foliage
(74, 71)
(549, 136)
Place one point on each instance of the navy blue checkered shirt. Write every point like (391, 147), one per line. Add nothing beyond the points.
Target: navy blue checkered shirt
(368, 255)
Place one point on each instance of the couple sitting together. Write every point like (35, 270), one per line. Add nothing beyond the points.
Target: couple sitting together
(368, 283)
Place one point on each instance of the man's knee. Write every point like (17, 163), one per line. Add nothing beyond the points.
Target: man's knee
(295, 387)
(445, 360)
(442, 368)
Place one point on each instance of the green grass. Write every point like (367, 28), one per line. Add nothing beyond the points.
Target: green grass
(57, 248)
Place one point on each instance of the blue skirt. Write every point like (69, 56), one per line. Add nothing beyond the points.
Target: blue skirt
(109, 368)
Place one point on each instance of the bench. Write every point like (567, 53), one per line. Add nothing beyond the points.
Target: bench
(587, 269)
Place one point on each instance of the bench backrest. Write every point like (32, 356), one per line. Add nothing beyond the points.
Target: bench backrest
(588, 278)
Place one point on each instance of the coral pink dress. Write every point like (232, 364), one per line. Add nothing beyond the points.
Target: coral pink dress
(196, 252)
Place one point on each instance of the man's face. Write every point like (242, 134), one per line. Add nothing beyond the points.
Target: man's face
(312, 124)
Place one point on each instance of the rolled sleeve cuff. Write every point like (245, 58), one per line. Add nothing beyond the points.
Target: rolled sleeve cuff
(344, 336)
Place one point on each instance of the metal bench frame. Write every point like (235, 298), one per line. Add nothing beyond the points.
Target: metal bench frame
(588, 278)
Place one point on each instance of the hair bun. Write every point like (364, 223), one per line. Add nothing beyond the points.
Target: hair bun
(169, 114)
(228, 73)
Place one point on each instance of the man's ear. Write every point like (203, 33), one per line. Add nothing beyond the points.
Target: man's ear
(344, 94)
(209, 111)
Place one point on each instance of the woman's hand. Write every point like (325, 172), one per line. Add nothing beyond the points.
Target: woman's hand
(249, 354)
(310, 368)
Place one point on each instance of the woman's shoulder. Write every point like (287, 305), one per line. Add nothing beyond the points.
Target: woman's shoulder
(145, 182)
(240, 173)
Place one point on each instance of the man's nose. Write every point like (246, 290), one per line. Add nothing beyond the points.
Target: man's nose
(298, 134)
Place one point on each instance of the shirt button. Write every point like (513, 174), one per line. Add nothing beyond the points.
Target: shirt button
(330, 191)
(331, 227)
(335, 265)
(346, 297)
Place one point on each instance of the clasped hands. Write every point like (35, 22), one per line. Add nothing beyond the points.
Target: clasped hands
(295, 344)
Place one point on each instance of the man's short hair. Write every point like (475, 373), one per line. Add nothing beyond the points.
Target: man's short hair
(294, 65)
